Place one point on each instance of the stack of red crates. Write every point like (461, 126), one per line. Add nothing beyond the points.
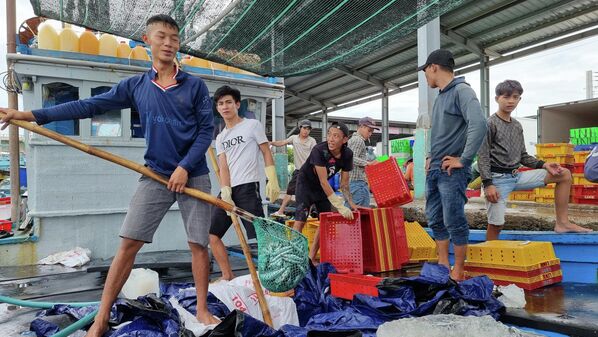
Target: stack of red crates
(582, 191)
(382, 242)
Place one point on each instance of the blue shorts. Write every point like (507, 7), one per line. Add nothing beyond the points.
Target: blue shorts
(360, 193)
(505, 184)
(445, 205)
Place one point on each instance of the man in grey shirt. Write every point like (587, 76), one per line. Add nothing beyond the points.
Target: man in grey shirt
(501, 154)
(357, 180)
(458, 129)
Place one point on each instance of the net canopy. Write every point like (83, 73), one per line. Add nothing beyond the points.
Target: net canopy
(274, 38)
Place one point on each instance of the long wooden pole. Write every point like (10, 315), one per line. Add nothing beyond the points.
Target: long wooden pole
(256, 281)
(187, 190)
(13, 102)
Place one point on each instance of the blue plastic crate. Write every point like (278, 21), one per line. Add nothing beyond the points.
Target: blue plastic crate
(589, 147)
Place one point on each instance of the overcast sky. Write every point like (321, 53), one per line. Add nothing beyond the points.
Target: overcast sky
(553, 76)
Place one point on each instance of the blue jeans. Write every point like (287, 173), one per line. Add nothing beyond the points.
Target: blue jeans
(445, 205)
(360, 192)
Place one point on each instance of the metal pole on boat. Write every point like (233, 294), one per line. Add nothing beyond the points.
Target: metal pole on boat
(13, 102)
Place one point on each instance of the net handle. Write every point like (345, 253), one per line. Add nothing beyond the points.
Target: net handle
(248, 258)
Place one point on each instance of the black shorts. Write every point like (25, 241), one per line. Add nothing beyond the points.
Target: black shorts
(246, 196)
(291, 188)
(307, 195)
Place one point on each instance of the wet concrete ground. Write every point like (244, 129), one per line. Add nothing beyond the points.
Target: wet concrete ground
(520, 215)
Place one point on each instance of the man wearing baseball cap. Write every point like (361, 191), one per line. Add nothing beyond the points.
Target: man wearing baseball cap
(357, 179)
(458, 129)
(302, 145)
(325, 160)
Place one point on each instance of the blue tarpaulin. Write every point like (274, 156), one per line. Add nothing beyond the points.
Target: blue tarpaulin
(432, 292)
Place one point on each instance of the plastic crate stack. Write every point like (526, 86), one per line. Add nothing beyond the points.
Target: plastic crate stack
(310, 228)
(529, 265)
(584, 136)
(374, 241)
(524, 195)
(582, 191)
(561, 153)
(422, 248)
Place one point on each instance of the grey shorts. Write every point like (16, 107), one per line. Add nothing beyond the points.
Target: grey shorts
(152, 200)
(506, 183)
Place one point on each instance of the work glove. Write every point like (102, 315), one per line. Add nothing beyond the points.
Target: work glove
(226, 194)
(272, 187)
(339, 204)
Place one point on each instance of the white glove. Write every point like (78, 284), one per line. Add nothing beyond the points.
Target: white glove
(339, 204)
(272, 187)
(226, 194)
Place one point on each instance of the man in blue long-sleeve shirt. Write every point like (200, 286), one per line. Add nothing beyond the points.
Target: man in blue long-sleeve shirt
(176, 118)
(458, 129)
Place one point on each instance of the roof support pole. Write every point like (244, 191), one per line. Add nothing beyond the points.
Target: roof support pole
(278, 122)
(13, 102)
(485, 84)
(385, 124)
(324, 124)
(428, 40)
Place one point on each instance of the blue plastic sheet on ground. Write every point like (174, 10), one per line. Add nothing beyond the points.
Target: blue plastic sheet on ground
(432, 292)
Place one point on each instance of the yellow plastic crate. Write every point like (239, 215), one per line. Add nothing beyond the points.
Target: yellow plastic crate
(540, 200)
(544, 264)
(515, 279)
(580, 156)
(311, 226)
(545, 192)
(554, 149)
(510, 253)
(523, 195)
(421, 245)
(580, 179)
(567, 159)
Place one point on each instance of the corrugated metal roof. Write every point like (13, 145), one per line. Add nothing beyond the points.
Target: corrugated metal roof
(494, 27)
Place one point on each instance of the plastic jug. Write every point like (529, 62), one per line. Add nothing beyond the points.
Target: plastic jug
(47, 37)
(88, 43)
(108, 45)
(141, 282)
(69, 41)
(139, 53)
(123, 50)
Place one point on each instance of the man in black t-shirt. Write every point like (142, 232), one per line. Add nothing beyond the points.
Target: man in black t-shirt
(325, 159)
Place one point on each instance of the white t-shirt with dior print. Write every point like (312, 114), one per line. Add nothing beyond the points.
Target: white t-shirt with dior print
(241, 146)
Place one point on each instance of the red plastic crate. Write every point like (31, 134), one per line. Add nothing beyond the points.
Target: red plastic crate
(5, 225)
(345, 286)
(591, 200)
(5, 201)
(341, 243)
(473, 193)
(584, 191)
(388, 184)
(531, 286)
(577, 168)
(515, 273)
(384, 239)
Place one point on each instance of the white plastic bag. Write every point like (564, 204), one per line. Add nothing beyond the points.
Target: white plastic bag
(141, 282)
(512, 296)
(239, 294)
(72, 258)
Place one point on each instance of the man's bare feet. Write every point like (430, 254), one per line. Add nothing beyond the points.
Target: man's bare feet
(571, 228)
(206, 318)
(97, 329)
(457, 276)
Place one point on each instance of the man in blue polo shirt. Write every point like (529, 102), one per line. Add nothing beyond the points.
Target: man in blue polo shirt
(177, 122)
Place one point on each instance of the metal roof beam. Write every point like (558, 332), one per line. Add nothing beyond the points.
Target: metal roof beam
(496, 8)
(467, 43)
(536, 49)
(545, 25)
(308, 98)
(523, 18)
(364, 77)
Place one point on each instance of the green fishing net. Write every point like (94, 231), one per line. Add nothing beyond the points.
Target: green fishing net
(283, 257)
